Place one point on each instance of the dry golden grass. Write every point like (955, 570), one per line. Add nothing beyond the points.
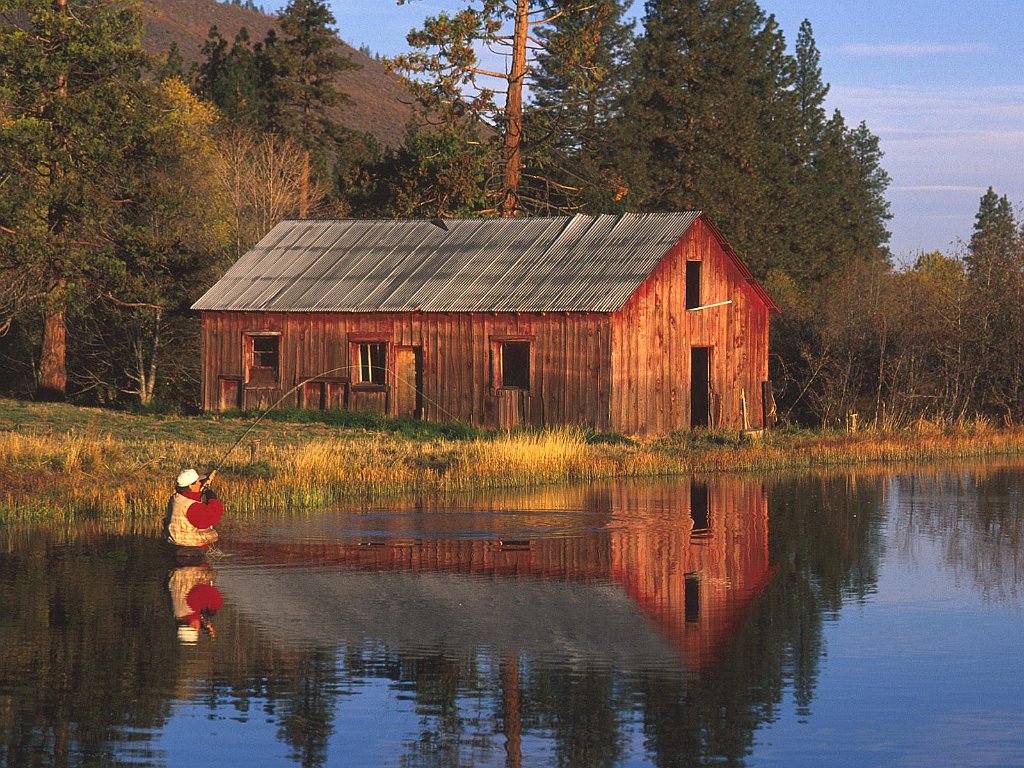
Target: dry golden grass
(119, 467)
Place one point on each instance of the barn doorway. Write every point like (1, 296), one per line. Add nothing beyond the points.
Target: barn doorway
(409, 382)
(700, 387)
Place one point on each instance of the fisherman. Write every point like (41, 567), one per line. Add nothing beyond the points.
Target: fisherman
(192, 512)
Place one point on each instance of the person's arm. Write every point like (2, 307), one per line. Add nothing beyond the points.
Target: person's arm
(204, 515)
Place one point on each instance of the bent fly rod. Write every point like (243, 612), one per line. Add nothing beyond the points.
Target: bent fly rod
(281, 399)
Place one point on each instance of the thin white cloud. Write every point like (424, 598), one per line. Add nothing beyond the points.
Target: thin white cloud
(944, 146)
(913, 49)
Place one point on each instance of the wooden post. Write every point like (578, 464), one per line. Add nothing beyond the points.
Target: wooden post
(513, 718)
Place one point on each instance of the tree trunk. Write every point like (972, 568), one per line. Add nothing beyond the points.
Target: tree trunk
(304, 192)
(53, 374)
(513, 150)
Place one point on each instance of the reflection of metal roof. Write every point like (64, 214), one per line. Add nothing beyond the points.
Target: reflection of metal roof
(569, 264)
(450, 611)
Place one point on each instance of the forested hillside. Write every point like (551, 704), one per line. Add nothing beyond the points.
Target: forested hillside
(146, 145)
(380, 102)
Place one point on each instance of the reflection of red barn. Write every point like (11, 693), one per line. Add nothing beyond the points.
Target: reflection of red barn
(693, 556)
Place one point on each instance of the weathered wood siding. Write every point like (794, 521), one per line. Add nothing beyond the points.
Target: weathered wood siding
(626, 372)
(653, 334)
(569, 363)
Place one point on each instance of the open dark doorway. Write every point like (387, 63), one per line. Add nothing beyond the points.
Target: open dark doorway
(700, 387)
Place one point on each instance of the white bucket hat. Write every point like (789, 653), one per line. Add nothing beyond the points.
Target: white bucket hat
(186, 477)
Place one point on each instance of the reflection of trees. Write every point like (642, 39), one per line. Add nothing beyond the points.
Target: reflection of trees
(91, 624)
(583, 711)
(88, 650)
(455, 702)
(976, 517)
(307, 713)
(825, 539)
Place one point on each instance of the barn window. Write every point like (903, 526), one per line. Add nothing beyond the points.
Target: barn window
(693, 284)
(515, 364)
(371, 362)
(263, 360)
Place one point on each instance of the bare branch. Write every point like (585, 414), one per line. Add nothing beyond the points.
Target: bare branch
(134, 304)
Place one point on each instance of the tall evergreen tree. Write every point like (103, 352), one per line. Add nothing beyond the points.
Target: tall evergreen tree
(230, 78)
(840, 207)
(66, 71)
(811, 90)
(454, 87)
(710, 120)
(307, 60)
(578, 79)
(995, 271)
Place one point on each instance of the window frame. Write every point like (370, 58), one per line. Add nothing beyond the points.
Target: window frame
(498, 370)
(270, 380)
(356, 346)
(694, 280)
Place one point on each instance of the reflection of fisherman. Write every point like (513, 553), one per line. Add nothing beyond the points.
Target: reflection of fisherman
(192, 512)
(194, 599)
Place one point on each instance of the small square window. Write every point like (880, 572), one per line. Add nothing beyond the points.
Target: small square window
(264, 352)
(263, 360)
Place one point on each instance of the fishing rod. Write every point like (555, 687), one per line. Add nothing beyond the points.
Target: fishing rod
(224, 458)
(251, 427)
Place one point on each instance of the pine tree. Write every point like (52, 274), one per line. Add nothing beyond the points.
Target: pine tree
(307, 60)
(711, 120)
(995, 271)
(810, 89)
(230, 78)
(459, 89)
(66, 72)
(173, 65)
(578, 79)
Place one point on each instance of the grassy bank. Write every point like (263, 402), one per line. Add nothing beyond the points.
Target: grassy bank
(61, 463)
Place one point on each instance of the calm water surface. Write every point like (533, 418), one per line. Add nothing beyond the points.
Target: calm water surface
(862, 620)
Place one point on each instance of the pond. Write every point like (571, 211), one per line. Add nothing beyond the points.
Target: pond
(864, 619)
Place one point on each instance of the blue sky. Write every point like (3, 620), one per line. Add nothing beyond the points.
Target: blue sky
(941, 84)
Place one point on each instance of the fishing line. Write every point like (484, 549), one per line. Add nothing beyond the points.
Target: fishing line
(251, 427)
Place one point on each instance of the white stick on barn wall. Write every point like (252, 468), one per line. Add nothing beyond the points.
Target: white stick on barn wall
(709, 306)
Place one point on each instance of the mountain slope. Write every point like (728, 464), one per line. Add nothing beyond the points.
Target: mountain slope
(381, 104)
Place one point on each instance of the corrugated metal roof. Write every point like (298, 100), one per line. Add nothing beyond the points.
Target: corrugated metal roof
(572, 264)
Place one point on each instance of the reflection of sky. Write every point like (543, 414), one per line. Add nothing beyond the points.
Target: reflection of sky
(369, 729)
(922, 673)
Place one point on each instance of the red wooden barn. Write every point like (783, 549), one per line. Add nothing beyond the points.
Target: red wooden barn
(632, 323)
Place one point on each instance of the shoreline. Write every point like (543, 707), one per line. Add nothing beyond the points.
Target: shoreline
(62, 463)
